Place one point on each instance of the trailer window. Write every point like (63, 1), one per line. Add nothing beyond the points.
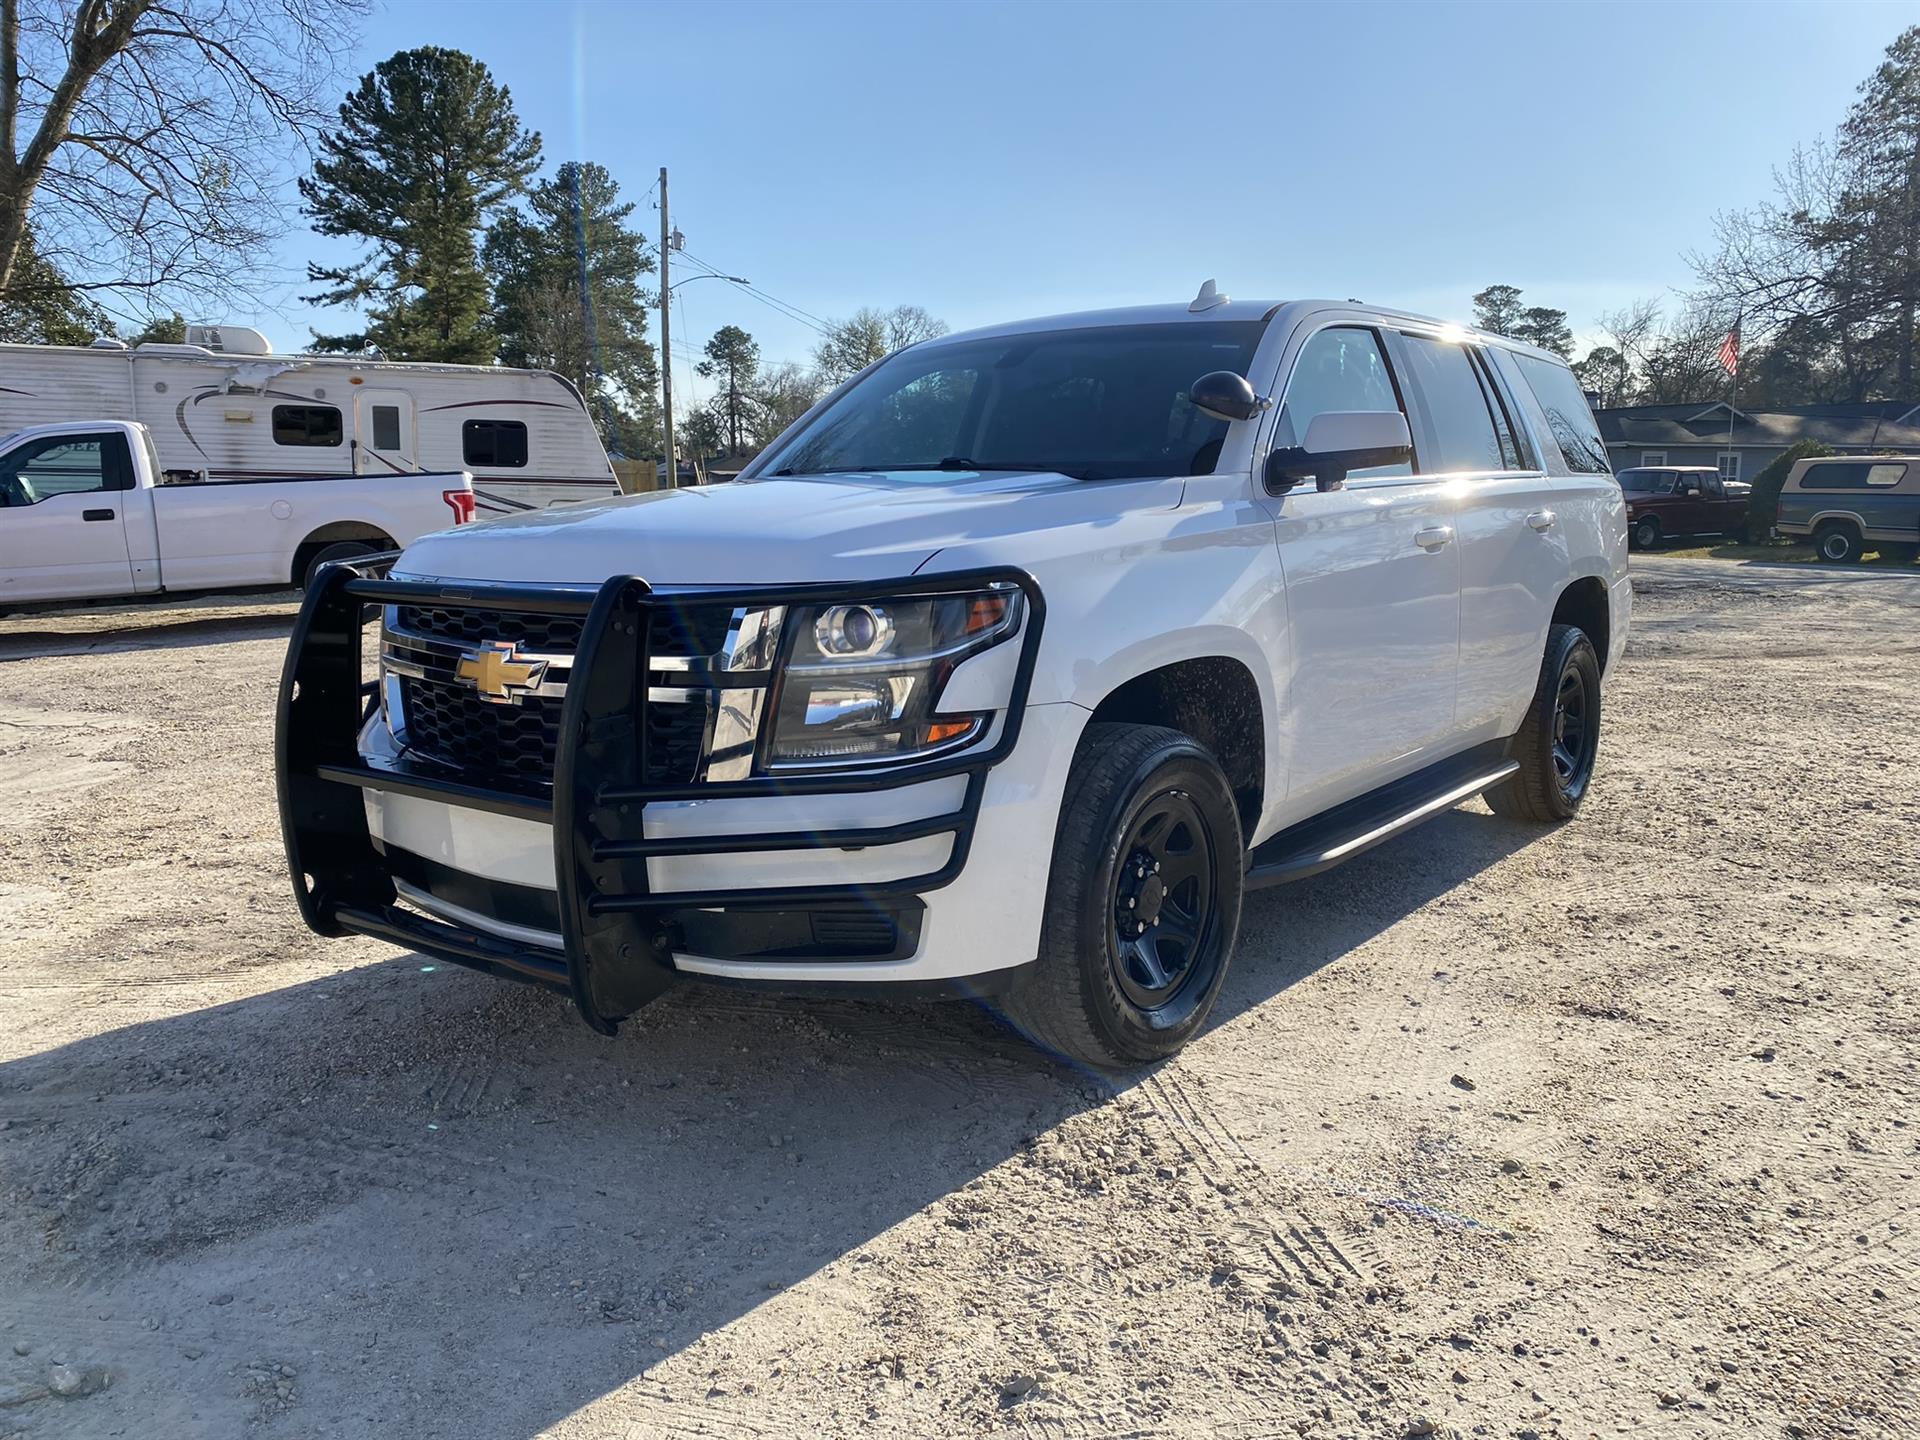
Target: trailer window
(386, 427)
(494, 442)
(307, 425)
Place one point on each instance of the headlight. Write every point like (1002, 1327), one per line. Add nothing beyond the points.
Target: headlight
(862, 680)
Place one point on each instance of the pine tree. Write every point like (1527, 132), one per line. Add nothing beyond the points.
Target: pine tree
(574, 224)
(733, 358)
(1497, 309)
(428, 147)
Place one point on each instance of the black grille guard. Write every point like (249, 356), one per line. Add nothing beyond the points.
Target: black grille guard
(616, 951)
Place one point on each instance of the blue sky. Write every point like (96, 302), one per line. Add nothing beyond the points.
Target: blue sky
(989, 160)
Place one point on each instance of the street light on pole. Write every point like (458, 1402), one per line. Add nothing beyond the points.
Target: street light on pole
(736, 279)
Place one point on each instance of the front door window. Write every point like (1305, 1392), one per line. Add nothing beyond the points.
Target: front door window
(58, 465)
(1341, 368)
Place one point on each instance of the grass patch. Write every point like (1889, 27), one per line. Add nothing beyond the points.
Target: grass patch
(1779, 552)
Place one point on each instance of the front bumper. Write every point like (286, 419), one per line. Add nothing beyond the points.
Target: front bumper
(641, 879)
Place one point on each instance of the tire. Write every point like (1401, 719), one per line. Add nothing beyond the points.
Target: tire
(1645, 534)
(327, 554)
(1839, 544)
(1554, 775)
(1135, 791)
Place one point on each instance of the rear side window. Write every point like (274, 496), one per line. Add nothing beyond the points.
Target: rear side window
(1569, 418)
(494, 442)
(1853, 475)
(307, 425)
(1456, 403)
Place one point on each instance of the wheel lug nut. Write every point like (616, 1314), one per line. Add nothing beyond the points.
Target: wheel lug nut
(1156, 867)
(1131, 903)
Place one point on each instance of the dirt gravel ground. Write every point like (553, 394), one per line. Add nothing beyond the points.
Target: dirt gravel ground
(1498, 1131)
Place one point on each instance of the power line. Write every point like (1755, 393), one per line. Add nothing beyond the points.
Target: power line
(772, 302)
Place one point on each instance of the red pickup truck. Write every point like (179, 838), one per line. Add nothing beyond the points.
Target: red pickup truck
(1667, 500)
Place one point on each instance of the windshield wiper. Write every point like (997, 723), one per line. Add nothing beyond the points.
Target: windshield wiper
(964, 464)
(956, 464)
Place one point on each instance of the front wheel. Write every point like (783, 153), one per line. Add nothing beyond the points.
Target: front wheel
(1646, 534)
(1559, 740)
(1143, 901)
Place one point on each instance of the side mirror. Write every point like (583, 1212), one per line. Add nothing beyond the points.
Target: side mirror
(1225, 396)
(1337, 442)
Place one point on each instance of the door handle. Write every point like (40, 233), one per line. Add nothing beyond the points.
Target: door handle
(96, 514)
(1433, 537)
(1541, 520)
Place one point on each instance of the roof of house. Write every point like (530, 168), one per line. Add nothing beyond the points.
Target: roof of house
(1872, 424)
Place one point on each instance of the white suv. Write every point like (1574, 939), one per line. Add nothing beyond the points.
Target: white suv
(1006, 669)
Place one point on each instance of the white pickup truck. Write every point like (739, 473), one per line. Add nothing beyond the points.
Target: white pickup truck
(1006, 670)
(87, 514)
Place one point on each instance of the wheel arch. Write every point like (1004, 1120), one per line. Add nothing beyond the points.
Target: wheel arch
(333, 533)
(1216, 699)
(1585, 602)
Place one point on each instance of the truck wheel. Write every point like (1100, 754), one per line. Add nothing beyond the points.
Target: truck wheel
(1838, 543)
(327, 554)
(1557, 742)
(1143, 903)
(1646, 533)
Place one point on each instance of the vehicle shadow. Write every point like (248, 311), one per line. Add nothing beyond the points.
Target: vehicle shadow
(83, 632)
(456, 1212)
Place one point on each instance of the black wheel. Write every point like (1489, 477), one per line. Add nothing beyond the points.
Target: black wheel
(1646, 533)
(327, 554)
(1558, 741)
(1837, 543)
(1143, 902)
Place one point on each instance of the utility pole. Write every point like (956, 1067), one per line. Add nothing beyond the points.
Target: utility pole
(666, 337)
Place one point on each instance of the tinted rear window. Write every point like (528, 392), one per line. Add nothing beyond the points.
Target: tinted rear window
(1647, 482)
(1853, 475)
(307, 425)
(493, 442)
(1569, 419)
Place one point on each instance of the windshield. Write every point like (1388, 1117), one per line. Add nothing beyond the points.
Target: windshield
(1648, 482)
(1097, 404)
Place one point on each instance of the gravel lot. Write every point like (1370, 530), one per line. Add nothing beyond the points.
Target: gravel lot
(1498, 1131)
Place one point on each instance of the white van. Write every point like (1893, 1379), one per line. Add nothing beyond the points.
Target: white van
(225, 407)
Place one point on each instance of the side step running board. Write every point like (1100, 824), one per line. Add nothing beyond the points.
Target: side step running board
(1361, 823)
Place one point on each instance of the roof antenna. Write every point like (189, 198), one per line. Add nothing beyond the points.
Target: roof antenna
(1209, 298)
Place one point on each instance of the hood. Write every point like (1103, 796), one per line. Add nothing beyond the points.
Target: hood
(852, 527)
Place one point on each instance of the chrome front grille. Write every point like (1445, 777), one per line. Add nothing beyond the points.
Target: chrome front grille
(689, 716)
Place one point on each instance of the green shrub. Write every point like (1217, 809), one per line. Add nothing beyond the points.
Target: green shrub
(1764, 503)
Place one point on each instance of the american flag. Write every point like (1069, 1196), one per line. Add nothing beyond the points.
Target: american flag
(1730, 351)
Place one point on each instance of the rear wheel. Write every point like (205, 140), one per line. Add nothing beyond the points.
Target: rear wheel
(1559, 740)
(327, 554)
(1143, 901)
(1838, 543)
(1646, 533)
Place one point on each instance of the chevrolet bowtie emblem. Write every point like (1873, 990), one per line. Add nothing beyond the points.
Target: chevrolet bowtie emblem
(495, 670)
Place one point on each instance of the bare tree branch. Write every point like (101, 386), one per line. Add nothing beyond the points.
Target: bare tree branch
(145, 144)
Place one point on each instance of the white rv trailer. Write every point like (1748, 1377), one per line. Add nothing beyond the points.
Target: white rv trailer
(225, 407)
